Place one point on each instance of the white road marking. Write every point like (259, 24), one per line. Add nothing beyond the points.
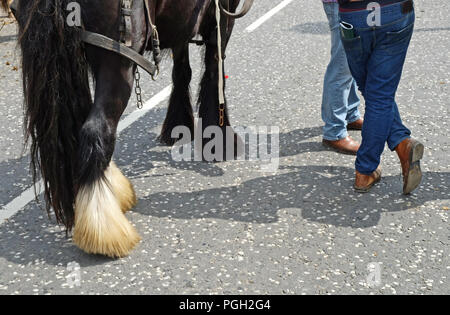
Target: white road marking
(18, 203)
(28, 195)
(267, 16)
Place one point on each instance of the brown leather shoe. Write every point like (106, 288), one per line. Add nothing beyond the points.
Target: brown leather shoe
(346, 145)
(363, 183)
(410, 152)
(356, 125)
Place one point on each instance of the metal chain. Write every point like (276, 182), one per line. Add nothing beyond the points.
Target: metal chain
(221, 115)
(137, 89)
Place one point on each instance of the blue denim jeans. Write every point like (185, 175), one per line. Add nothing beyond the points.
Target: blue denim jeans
(376, 56)
(340, 99)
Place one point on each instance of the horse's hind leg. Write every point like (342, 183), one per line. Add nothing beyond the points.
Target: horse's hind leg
(179, 112)
(104, 193)
(209, 91)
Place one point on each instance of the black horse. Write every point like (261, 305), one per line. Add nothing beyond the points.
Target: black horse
(72, 135)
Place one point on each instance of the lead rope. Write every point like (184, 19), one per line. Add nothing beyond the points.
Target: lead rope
(220, 60)
(156, 50)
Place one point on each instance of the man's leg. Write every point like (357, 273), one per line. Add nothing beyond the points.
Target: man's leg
(398, 131)
(358, 52)
(338, 85)
(383, 77)
(353, 113)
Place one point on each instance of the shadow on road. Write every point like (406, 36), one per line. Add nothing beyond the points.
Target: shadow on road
(136, 156)
(320, 194)
(317, 193)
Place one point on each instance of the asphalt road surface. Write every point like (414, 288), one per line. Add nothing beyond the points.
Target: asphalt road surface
(230, 228)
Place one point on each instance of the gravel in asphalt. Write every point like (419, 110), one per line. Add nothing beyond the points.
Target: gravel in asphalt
(229, 228)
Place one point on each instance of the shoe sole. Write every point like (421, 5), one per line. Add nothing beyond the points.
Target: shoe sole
(329, 146)
(368, 188)
(415, 172)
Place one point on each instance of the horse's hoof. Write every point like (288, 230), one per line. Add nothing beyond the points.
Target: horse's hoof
(100, 225)
(122, 187)
(166, 139)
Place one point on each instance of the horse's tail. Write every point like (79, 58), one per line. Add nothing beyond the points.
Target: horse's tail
(57, 99)
(4, 4)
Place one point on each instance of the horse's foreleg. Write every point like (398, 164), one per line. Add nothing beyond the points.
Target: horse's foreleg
(104, 193)
(179, 112)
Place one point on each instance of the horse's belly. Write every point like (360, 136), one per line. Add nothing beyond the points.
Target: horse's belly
(178, 21)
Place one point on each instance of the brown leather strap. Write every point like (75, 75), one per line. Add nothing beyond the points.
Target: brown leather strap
(109, 44)
(123, 49)
(154, 36)
(127, 27)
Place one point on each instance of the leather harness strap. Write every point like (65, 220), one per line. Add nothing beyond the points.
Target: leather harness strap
(116, 47)
(126, 33)
(126, 30)
(123, 48)
(154, 36)
(126, 26)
